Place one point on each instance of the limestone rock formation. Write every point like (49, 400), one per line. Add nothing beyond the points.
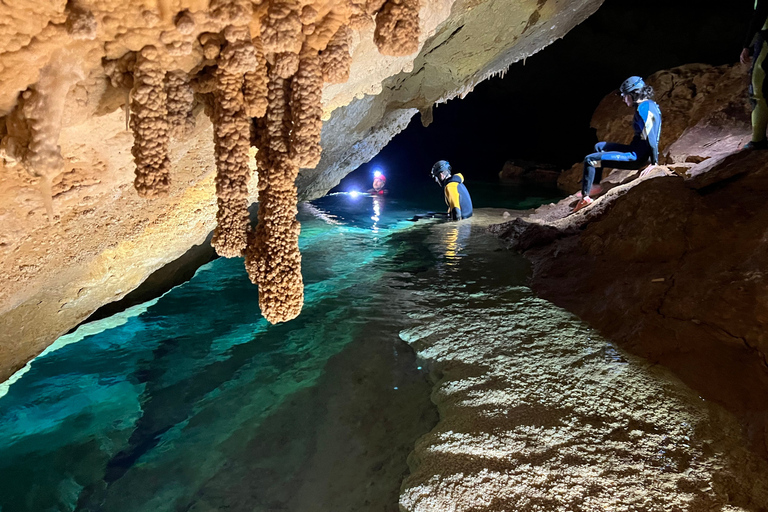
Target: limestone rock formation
(671, 265)
(80, 236)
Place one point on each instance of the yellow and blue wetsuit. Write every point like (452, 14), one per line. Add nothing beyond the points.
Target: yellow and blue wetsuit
(457, 197)
(757, 89)
(644, 147)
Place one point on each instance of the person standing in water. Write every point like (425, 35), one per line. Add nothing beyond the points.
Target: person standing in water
(757, 53)
(379, 182)
(644, 146)
(456, 193)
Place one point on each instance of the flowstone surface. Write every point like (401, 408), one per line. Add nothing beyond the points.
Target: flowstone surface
(539, 412)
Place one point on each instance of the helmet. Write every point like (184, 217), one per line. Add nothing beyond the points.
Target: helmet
(631, 84)
(439, 167)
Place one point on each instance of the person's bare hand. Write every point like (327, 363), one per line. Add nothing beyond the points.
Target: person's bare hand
(744, 58)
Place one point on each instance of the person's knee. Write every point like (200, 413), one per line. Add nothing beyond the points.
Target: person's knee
(592, 160)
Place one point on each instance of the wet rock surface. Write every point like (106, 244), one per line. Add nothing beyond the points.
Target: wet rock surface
(540, 412)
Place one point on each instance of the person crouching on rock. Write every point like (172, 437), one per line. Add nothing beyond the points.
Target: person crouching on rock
(456, 193)
(644, 146)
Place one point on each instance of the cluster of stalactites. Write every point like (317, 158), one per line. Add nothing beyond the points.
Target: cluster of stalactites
(149, 122)
(274, 82)
(231, 125)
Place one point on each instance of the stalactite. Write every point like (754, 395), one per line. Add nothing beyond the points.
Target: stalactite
(286, 64)
(149, 122)
(397, 28)
(255, 84)
(273, 260)
(336, 59)
(278, 126)
(281, 28)
(307, 111)
(231, 143)
(359, 18)
(180, 101)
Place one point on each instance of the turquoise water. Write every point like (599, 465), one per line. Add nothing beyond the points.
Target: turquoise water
(193, 402)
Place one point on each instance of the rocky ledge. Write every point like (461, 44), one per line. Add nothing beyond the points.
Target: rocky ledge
(672, 265)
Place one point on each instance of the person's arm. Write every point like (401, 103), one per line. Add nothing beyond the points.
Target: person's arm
(755, 24)
(452, 198)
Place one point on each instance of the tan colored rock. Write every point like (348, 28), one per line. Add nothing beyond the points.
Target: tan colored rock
(232, 140)
(336, 58)
(149, 123)
(307, 111)
(397, 27)
(255, 84)
(180, 102)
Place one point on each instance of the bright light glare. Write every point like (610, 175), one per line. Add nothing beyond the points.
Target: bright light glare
(377, 174)
(354, 193)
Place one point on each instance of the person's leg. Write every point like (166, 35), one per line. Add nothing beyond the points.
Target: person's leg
(591, 165)
(760, 112)
(603, 147)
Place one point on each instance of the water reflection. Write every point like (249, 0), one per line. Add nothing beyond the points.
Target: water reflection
(454, 241)
(378, 207)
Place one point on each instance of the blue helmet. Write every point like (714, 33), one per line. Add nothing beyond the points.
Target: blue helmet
(631, 84)
(439, 167)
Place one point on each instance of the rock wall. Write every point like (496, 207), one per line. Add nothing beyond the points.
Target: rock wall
(79, 236)
(672, 265)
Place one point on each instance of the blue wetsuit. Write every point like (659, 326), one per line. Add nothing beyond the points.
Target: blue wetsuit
(644, 146)
(457, 197)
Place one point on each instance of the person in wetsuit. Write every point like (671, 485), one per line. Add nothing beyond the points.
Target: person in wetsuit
(379, 182)
(758, 32)
(643, 148)
(456, 193)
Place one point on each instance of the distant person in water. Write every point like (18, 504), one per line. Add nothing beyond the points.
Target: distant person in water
(379, 182)
(456, 193)
(643, 148)
(757, 53)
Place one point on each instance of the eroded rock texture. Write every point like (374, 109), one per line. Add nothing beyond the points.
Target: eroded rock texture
(671, 265)
(81, 236)
(540, 413)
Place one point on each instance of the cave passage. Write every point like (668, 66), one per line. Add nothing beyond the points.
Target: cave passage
(194, 402)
